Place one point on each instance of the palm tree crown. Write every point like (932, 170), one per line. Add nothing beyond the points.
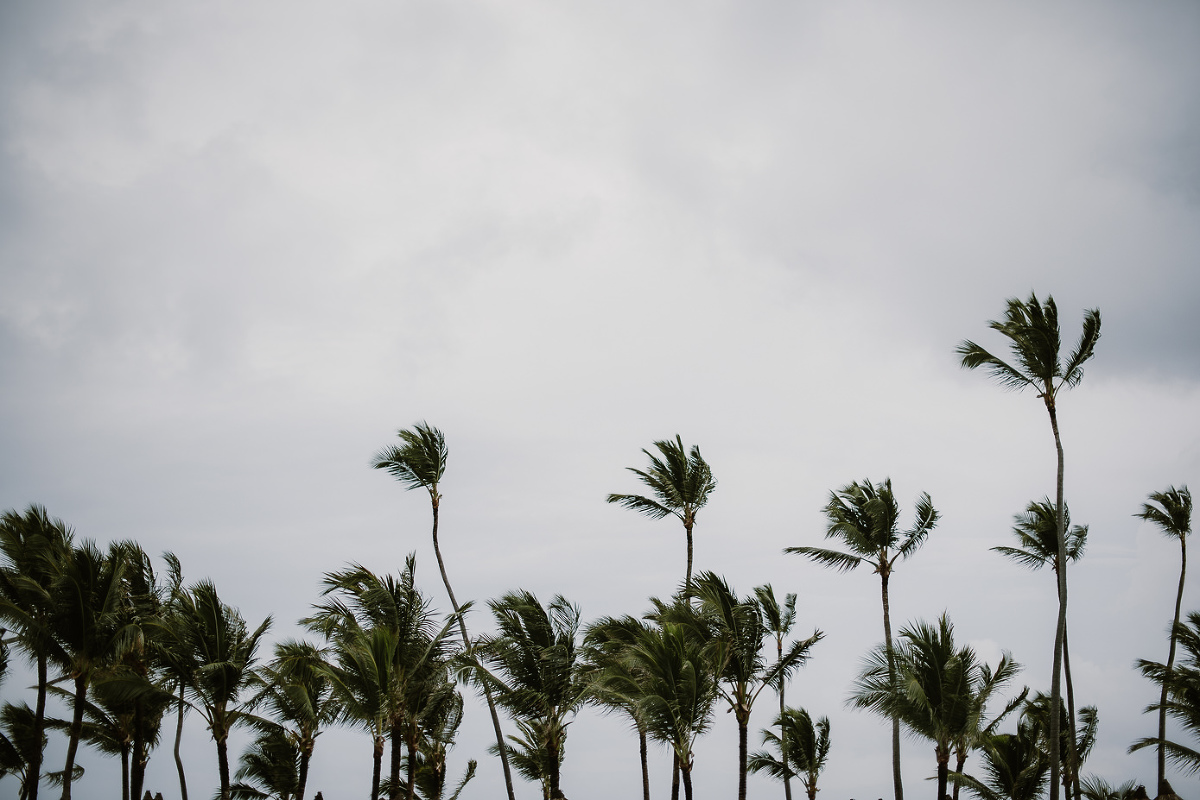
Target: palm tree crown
(419, 461)
(680, 482)
(1036, 530)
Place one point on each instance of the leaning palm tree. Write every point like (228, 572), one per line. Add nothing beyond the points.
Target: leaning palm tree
(1036, 530)
(681, 482)
(615, 683)
(801, 749)
(1171, 511)
(531, 666)
(1183, 696)
(1031, 328)
(419, 462)
(223, 651)
(933, 691)
(735, 631)
(866, 517)
(33, 546)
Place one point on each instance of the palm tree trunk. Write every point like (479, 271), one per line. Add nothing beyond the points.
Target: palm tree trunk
(178, 737)
(124, 771)
(675, 777)
(1073, 746)
(958, 767)
(645, 762)
(687, 583)
(396, 741)
(76, 730)
(897, 780)
(137, 771)
(34, 774)
(943, 770)
(412, 768)
(462, 627)
(1162, 703)
(552, 754)
(377, 761)
(686, 773)
(1060, 628)
(223, 765)
(743, 729)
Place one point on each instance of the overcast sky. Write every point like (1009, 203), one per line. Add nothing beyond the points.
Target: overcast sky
(241, 244)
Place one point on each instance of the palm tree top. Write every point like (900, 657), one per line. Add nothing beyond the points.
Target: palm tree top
(865, 516)
(1036, 530)
(1170, 510)
(419, 461)
(680, 481)
(1032, 330)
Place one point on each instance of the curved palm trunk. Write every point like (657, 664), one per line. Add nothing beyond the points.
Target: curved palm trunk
(1162, 703)
(76, 730)
(178, 737)
(897, 780)
(787, 781)
(1073, 745)
(462, 627)
(1060, 628)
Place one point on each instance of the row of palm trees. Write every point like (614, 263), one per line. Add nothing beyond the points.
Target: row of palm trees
(134, 646)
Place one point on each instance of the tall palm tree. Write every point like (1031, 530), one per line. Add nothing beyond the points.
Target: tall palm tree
(174, 654)
(1037, 711)
(33, 546)
(779, 620)
(223, 651)
(681, 482)
(735, 632)
(1183, 696)
(531, 666)
(419, 462)
(1031, 328)
(1036, 530)
(89, 630)
(802, 747)
(1171, 511)
(360, 670)
(933, 694)
(866, 517)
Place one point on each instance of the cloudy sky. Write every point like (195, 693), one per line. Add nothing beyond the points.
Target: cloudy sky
(241, 244)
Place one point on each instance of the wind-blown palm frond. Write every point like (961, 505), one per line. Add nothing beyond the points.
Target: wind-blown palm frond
(419, 461)
(1036, 530)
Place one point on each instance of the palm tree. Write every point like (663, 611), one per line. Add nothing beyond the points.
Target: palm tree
(1096, 788)
(19, 746)
(1015, 766)
(865, 516)
(1183, 695)
(735, 631)
(615, 682)
(1032, 330)
(361, 675)
(174, 654)
(419, 461)
(1171, 511)
(418, 656)
(1037, 710)
(89, 630)
(801, 749)
(442, 717)
(222, 649)
(531, 666)
(1036, 530)
(677, 687)
(978, 731)
(933, 693)
(299, 695)
(681, 482)
(269, 769)
(33, 546)
(779, 620)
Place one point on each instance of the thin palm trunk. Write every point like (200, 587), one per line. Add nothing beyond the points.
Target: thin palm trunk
(687, 582)
(1072, 753)
(961, 760)
(396, 742)
(743, 731)
(377, 766)
(76, 731)
(675, 777)
(462, 628)
(223, 765)
(1060, 628)
(1162, 703)
(124, 771)
(34, 774)
(645, 761)
(943, 770)
(179, 736)
(305, 757)
(412, 767)
(137, 770)
(897, 780)
(686, 774)
(787, 781)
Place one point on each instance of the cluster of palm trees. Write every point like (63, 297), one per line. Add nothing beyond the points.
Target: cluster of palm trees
(125, 649)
